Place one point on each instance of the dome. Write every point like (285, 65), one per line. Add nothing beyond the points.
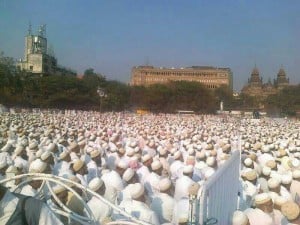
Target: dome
(281, 73)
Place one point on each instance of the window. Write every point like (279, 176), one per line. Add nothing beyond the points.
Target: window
(31, 68)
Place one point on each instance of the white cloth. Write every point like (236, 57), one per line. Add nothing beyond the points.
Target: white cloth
(176, 170)
(258, 217)
(181, 210)
(142, 173)
(62, 167)
(8, 205)
(99, 209)
(295, 191)
(151, 184)
(182, 187)
(139, 210)
(163, 205)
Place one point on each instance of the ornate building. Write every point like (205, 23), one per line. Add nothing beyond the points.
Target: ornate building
(37, 58)
(255, 86)
(211, 77)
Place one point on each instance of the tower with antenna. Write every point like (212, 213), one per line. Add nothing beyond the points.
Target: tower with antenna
(36, 58)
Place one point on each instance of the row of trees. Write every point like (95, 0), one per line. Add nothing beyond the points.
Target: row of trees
(18, 88)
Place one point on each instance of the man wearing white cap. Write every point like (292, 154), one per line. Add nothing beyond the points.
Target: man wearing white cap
(183, 183)
(151, 182)
(80, 170)
(240, 218)
(145, 169)
(176, 168)
(137, 207)
(63, 166)
(113, 182)
(162, 203)
(37, 166)
(261, 214)
(130, 177)
(100, 210)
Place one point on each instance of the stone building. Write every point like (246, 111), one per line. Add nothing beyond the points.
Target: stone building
(211, 77)
(37, 58)
(256, 88)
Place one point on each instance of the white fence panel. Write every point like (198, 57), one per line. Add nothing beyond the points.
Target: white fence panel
(219, 197)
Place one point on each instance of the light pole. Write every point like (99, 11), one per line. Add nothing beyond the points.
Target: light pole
(101, 94)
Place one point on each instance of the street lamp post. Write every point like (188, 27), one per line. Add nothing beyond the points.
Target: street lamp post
(101, 94)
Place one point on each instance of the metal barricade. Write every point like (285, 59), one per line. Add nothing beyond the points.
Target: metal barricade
(219, 195)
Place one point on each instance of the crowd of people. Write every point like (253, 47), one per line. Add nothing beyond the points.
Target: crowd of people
(148, 165)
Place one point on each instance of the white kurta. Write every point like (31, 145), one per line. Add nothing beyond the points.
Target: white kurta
(182, 187)
(139, 210)
(163, 205)
(99, 209)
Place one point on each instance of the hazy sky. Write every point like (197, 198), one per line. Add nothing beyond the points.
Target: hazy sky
(113, 36)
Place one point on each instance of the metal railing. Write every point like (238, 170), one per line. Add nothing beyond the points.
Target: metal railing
(219, 196)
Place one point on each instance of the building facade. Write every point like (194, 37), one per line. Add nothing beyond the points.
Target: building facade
(37, 59)
(256, 88)
(211, 77)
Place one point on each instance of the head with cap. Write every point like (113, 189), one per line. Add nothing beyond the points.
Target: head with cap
(296, 175)
(61, 193)
(130, 176)
(240, 218)
(188, 170)
(96, 157)
(264, 202)
(165, 186)
(291, 211)
(79, 167)
(147, 160)
(47, 157)
(156, 167)
(274, 185)
(97, 185)
(65, 156)
(121, 167)
(286, 180)
(137, 192)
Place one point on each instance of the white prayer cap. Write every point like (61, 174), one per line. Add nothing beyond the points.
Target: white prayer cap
(130, 152)
(188, 169)
(163, 151)
(273, 183)
(51, 147)
(290, 210)
(33, 145)
(200, 165)
(239, 218)
(286, 179)
(95, 153)
(296, 174)
(45, 155)
(279, 200)
(136, 191)
(146, 157)
(262, 198)
(58, 189)
(19, 149)
(210, 161)
(155, 165)
(248, 162)
(177, 155)
(122, 164)
(95, 184)
(183, 217)
(78, 164)
(266, 171)
(128, 174)
(37, 166)
(295, 162)
(164, 184)
(63, 155)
